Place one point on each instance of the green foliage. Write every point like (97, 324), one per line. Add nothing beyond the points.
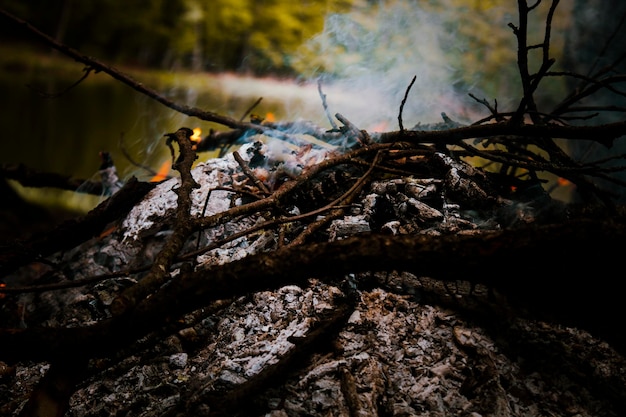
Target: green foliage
(219, 35)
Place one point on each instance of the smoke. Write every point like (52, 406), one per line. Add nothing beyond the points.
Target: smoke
(367, 59)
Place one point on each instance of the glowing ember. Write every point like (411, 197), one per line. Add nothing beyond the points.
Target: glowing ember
(164, 170)
(379, 127)
(563, 182)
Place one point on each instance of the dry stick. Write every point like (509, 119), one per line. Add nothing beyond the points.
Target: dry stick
(159, 273)
(493, 110)
(592, 87)
(325, 105)
(234, 191)
(406, 95)
(530, 85)
(522, 61)
(65, 90)
(360, 135)
(204, 207)
(604, 134)
(66, 284)
(426, 254)
(546, 39)
(256, 103)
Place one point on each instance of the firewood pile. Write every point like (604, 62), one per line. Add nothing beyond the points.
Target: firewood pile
(210, 298)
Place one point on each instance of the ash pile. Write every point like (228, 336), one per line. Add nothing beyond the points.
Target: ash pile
(357, 344)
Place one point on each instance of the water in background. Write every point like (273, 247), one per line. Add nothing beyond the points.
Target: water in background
(64, 135)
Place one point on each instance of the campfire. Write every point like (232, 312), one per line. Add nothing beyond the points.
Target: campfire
(329, 271)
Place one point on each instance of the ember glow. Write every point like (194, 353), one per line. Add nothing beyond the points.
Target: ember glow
(166, 166)
(163, 171)
(563, 182)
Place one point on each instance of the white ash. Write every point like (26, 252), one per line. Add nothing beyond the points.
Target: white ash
(162, 199)
(178, 360)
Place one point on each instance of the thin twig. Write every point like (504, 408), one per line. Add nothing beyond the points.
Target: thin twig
(159, 272)
(256, 103)
(493, 110)
(406, 94)
(43, 94)
(323, 97)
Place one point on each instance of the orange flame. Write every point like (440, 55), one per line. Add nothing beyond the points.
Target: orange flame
(162, 172)
(2, 285)
(269, 117)
(196, 135)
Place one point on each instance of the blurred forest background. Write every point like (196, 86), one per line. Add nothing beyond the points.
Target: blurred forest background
(281, 37)
(371, 48)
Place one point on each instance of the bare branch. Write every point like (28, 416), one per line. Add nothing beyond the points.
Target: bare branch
(323, 97)
(406, 94)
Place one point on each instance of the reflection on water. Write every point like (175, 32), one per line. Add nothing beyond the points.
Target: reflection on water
(64, 135)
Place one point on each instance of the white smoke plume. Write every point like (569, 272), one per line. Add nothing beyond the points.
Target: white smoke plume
(367, 59)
